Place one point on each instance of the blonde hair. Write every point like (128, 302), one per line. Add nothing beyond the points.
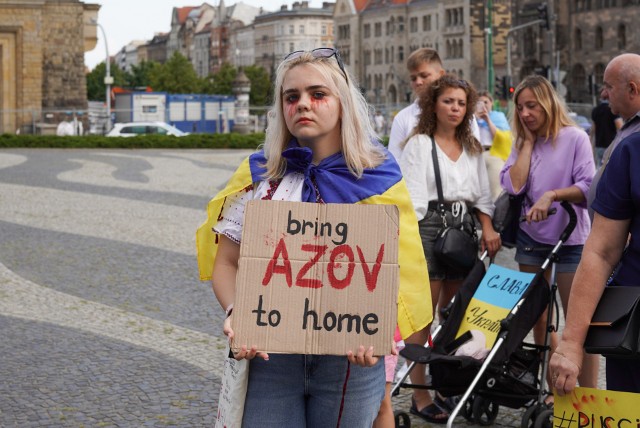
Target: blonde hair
(428, 121)
(423, 55)
(555, 110)
(359, 141)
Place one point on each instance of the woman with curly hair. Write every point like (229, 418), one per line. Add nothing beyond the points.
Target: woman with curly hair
(444, 125)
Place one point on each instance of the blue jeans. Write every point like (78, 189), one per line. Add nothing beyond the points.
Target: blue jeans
(534, 253)
(313, 391)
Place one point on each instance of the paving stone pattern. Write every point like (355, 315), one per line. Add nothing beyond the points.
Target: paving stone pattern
(103, 320)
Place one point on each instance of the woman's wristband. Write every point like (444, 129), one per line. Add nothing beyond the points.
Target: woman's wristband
(229, 310)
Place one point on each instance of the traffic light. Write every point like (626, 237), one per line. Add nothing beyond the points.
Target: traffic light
(500, 89)
(509, 87)
(543, 16)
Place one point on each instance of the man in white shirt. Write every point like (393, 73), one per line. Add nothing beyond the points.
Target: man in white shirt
(425, 67)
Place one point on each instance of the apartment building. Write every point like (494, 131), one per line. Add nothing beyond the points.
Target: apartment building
(377, 36)
(297, 28)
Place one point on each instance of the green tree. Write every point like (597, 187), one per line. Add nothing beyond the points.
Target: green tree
(95, 80)
(221, 83)
(140, 75)
(261, 87)
(175, 76)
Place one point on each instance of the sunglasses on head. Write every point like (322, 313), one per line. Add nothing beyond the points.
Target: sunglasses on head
(321, 53)
(457, 82)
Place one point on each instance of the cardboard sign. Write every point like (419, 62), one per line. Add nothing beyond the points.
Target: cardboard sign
(316, 278)
(594, 408)
(498, 292)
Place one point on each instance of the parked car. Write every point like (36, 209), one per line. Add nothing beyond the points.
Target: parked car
(582, 121)
(130, 129)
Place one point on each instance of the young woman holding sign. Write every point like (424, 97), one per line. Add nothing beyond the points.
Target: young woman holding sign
(320, 147)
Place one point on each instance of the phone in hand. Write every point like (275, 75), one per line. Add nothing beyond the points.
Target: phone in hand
(480, 107)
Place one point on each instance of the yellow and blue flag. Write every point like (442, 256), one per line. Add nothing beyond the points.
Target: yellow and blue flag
(335, 183)
(498, 292)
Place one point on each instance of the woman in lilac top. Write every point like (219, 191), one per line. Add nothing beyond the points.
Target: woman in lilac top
(551, 161)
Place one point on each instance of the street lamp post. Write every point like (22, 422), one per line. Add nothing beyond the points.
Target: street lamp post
(108, 79)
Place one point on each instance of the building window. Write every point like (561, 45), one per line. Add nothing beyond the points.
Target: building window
(291, 47)
(598, 74)
(302, 29)
(323, 31)
(413, 25)
(529, 44)
(426, 23)
(346, 56)
(377, 56)
(367, 31)
(291, 29)
(622, 36)
(400, 24)
(367, 57)
(401, 54)
(599, 40)
(377, 30)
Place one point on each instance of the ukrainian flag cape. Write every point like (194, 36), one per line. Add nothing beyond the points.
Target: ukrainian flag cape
(336, 184)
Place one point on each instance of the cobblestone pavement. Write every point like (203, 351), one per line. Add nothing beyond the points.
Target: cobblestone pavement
(103, 320)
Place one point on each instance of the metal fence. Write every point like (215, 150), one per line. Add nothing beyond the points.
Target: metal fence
(93, 119)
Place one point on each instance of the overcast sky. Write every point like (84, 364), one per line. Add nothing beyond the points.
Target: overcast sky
(127, 20)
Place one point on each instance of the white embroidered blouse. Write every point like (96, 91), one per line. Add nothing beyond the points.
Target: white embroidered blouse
(230, 225)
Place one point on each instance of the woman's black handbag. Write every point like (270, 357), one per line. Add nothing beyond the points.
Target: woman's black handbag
(615, 327)
(455, 246)
(506, 217)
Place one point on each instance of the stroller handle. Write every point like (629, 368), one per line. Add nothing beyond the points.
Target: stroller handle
(573, 220)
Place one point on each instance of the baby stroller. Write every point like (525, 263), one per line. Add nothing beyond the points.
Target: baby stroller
(513, 372)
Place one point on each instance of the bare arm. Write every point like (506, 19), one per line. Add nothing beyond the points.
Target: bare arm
(224, 287)
(485, 115)
(225, 270)
(490, 238)
(519, 172)
(601, 254)
(540, 210)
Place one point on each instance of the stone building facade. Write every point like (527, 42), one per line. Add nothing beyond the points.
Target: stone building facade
(597, 31)
(375, 38)
(300, 28)
(42, 46)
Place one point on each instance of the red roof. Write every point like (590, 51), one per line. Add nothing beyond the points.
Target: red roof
(360, 4)
(183, 13)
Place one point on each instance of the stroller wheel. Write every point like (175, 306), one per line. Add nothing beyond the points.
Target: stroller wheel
(402, 419)
(529, 416)
(467, 409)
(485, 411)
(544, 419)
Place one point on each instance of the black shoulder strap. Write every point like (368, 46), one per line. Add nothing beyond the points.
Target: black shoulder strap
(436, 169)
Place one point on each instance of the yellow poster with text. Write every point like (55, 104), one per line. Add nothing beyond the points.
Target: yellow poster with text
(595, 408)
